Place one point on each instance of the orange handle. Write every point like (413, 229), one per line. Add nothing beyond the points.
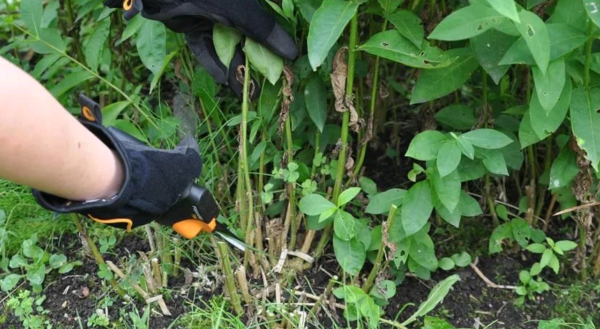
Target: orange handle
(190, 228)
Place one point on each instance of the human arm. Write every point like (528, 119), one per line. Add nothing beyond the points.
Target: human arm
(43, 146)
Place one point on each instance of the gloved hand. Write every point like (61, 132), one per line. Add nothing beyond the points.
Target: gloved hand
(196, 18)
(154, 181)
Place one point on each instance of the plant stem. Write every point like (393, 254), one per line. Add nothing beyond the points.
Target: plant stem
(346, 119)
(377, 265)
(247, 191)
(490, 201)
(97, 255)
(324, 296)
(374, 94)
(313, 170)
(291, 186)
(76, 40)
(229, 278)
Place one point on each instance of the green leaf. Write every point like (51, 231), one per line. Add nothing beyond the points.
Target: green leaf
(367, 185)
(469, 207)
(564, 39)
(502, 212)
(440, 82)
(347, 195)
(536, 248)
(570, 12)
(66, 268)
(448, 189)
(314, 204)
(313, 223)
(31, 14)
(128, 127)
(566, 245)
(95, 44)
(151, 44)
(545, 123)
(225, 40)
(494, 162)
(564, 169)
(389, 6)
(452, 218)
(470, 170)
(351, 255)
(527, 135)
(535, 33)
(31, 250)
(463, 259)
(133, 25)
(435, 297)
(593, 10)
(489, 49)
(521, 291)
(426, 145)
(487, 138)
(112, 111)
(554, 264)
(308, 8)
(416, 207)
(264, 60)
(466, 23)
(17, 261)
(409, 25)
(50, 42)
(435, 323)
(36, 274)
(327, 214)
(315, 97)
(551, 324)
(525, 277)
(57, 261)
(585, 122)
(457, 116)
(162, 69)
(393, 46)
(10, 282)
(423, 254)
(345, 226)
(499, 234)
(549, 86)
(44, 64)
(448, 158)
(521, 231)
(446, 264)
(465, 147)
(506, 8)
(326, 26)
(546, 257)
(381, 203)
(536, 269)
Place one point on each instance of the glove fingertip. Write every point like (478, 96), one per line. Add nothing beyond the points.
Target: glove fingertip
(282, 43)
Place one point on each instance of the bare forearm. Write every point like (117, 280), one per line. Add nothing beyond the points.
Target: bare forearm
(44, 147)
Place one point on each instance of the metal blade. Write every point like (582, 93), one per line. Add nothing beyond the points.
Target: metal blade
(233, 241)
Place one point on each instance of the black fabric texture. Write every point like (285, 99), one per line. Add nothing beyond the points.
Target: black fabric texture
(154, 180)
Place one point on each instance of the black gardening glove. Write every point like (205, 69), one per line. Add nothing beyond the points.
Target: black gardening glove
(154, 179)
(196, 18)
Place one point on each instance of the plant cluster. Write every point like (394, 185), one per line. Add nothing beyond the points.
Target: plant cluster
(505, 93)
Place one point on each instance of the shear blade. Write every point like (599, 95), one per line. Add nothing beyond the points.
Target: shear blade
(233, 241)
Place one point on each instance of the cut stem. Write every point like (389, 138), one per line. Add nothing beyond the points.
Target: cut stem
(229, 278)
(97, 255)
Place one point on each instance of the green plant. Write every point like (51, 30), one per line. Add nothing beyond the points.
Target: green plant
(98, 320)
(29, 310)
(36, 263)
(107, 243)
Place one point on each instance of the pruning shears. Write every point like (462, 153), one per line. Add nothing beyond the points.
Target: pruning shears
(197, 213)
